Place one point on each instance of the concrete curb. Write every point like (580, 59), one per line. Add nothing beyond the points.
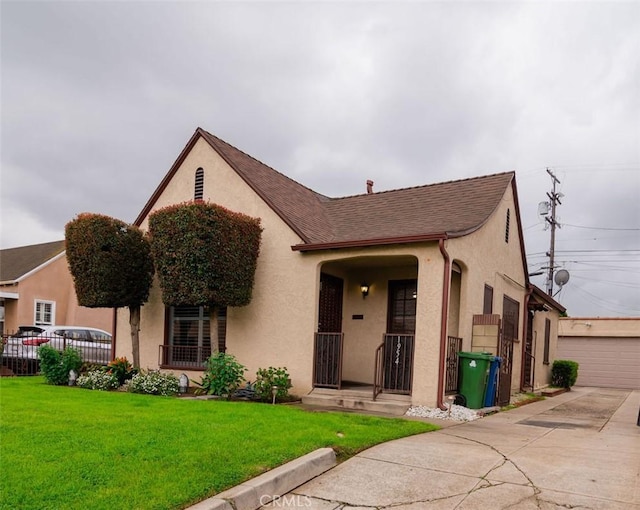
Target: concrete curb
(260, 490)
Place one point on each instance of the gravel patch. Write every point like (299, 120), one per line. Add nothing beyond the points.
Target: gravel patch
(458, 413)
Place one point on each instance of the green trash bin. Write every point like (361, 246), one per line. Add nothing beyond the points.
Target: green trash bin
(474, 372)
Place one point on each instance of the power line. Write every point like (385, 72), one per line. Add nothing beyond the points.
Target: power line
(601, 228)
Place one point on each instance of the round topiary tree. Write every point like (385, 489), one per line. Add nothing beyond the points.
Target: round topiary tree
(111, 265)
(205, 255)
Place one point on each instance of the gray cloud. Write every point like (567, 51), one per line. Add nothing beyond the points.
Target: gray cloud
(98, 99)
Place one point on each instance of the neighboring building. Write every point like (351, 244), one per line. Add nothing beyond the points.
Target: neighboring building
(430, 257)
(607, 349)
(36, 288)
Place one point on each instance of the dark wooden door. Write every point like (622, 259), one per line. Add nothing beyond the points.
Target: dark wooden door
(330, 306)
(328, 344)
(399, 341)
(508, 334)
(528, 354)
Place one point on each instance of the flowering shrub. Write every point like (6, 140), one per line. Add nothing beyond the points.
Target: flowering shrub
(153, 382)
(98, 379)
(121, 369)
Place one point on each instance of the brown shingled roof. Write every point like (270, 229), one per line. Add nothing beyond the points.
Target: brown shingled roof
(16, 262)
(451, 208)
(447, 209)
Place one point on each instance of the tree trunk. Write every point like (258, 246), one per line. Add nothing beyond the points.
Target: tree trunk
(213, 330)
(134, 321)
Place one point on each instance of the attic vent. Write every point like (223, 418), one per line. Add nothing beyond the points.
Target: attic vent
(506, 231)
(198, 190)
(369, 186)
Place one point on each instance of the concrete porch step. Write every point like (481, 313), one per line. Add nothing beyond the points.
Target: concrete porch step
(391, 404)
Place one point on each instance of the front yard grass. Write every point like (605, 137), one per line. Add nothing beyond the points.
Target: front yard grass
(70, 448)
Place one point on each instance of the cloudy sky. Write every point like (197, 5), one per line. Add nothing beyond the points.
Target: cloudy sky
(99, 98)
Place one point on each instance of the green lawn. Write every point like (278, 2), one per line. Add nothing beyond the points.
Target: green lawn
(68, 448)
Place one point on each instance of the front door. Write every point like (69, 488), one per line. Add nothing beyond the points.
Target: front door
(327, 362)
(330, 306)
(398, 342)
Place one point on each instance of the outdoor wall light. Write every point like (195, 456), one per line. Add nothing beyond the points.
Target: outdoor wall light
(364, 288)
(274, 392)
(183, 383)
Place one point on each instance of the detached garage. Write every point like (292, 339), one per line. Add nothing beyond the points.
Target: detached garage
(607, 349)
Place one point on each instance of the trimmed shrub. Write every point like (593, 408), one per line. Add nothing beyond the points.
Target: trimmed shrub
(267, 378)
(110, 261)
(121, 369)
(205, 255)
(98, 379)
(223, 375)
(564, 373)
(55, 366)
(153, 382)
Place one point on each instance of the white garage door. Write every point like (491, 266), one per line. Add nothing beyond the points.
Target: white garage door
(604, 362)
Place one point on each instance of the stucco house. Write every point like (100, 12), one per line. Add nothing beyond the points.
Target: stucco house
(376, 291)
(36, 288)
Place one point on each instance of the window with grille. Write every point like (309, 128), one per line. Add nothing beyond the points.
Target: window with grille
(402, 307)
(190, 332)
(198, 191)
(44, 313)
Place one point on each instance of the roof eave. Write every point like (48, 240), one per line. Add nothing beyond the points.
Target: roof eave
(543, 296)
(368, 243)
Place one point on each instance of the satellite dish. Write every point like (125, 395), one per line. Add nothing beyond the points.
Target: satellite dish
(561, 277)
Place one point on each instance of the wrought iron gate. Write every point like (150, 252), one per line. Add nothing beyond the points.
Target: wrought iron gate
(394, 365)
(327, 360)
(454, 346)
(505, 351)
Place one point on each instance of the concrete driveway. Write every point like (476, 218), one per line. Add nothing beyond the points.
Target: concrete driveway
(580, 449)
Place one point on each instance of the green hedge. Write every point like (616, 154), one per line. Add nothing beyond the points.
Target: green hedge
(204, 254)
(110, 261)
(564, 373)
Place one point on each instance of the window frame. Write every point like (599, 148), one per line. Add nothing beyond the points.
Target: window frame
(39, 316)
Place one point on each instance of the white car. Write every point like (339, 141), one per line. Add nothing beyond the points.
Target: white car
(94, 344)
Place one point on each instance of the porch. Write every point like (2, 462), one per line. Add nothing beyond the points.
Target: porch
(391, 390)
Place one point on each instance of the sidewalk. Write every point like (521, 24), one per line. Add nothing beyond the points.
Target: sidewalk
(578, 449)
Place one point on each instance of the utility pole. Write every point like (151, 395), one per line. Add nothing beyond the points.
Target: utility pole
(554, 199)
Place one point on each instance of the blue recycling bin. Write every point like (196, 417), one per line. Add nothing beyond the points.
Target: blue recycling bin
(492, 382)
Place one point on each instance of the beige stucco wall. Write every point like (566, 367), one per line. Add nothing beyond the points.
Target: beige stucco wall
(53, 283)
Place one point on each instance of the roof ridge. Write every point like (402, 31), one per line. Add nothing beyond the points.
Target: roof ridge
(421, 186)
(262, 163)
(52, 243)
